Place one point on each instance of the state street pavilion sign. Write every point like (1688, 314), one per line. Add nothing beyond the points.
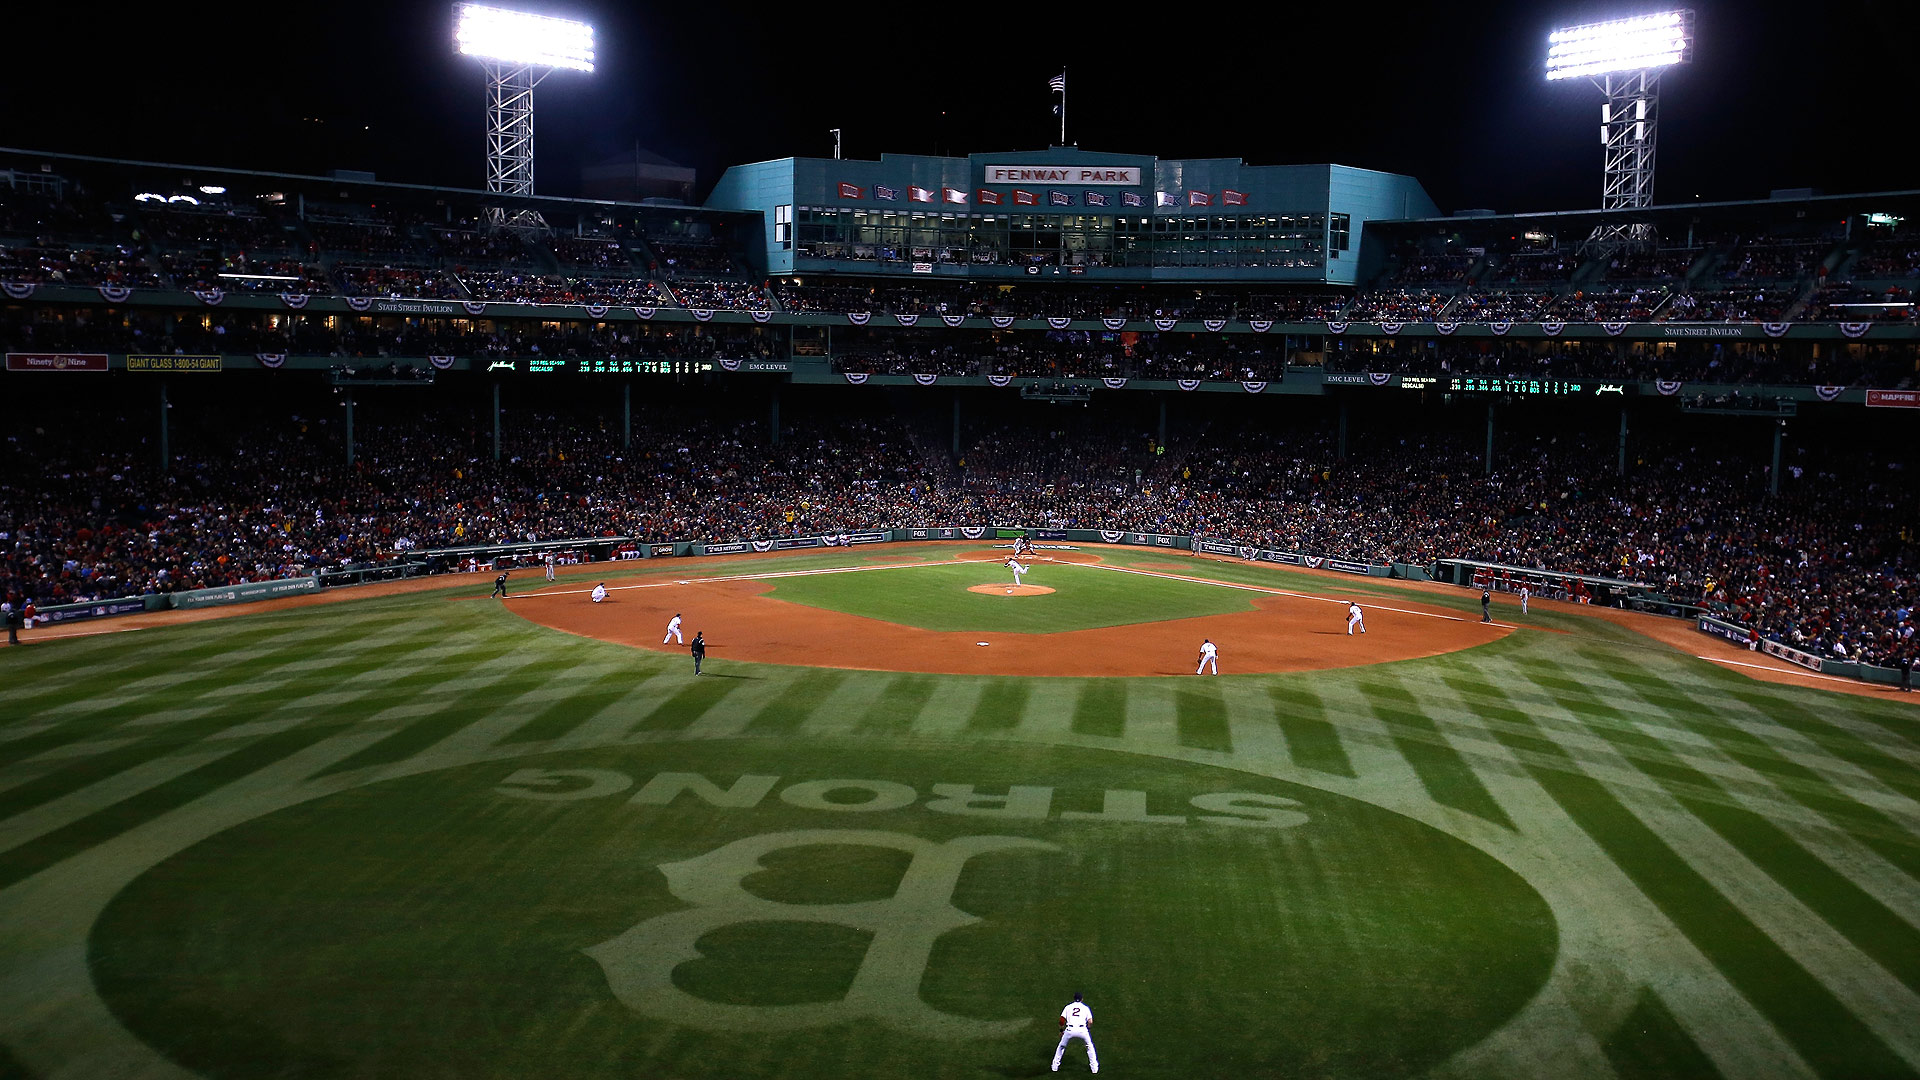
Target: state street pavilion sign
(1062, 174)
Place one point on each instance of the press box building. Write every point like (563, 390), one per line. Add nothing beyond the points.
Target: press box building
(1068, 212)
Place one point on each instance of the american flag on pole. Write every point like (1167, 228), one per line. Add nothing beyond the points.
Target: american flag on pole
(1131, 198)
(1058, 82)
(1094, 198)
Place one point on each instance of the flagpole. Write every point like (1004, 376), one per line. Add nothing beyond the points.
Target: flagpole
(1063, 106)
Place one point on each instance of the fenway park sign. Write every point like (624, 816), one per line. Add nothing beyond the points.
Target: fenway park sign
(1061, 174)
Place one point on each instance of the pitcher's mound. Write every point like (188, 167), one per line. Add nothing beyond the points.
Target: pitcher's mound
(1010, 590)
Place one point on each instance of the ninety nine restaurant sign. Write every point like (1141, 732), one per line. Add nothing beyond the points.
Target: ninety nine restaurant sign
(34, 361)
(1061, 174)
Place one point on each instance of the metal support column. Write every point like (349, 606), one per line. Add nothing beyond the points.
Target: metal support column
(496, 421)
(1620, 468)
(1773, 475)
(1340, 452)
(349, 429)
(1489, 438)
(956, 423)
(773, 419)
(626, 416)
(166, 459)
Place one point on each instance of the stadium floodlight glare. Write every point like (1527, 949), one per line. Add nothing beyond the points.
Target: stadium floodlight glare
(1625, 59)
(518, 50)
(517, 37)
(1637, 44)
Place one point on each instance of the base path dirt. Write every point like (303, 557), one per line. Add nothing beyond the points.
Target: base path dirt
(743, 622)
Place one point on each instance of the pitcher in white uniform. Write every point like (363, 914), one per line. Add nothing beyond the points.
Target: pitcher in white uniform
(1019, 569)
(1075, 1021)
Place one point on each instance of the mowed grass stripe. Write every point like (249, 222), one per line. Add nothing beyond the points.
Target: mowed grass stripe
(89, 722)
(688, 704)
(898, 704)
(1002, 704)
(484, 699)
(1200, 714)
(1880, 832)
(98, 828)
(1651, 1045)
(787, 712)
(202, 688)
(1835, 1042)
(1102, 708)
(1312, 740)
(1827, 739)
(1897, 775)
(1446, 775)
(568, 713)
(1866, 923)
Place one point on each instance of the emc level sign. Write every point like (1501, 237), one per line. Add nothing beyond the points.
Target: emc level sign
(1061, 174)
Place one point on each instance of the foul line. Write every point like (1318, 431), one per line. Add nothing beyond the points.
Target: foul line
(728, 577)
(1281, 592)
(1787, 671)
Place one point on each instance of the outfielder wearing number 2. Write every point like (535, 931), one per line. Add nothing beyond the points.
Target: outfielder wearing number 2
(1076, 1021)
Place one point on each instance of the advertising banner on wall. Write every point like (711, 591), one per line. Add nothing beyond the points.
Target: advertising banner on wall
(37, 361)
(141, 362)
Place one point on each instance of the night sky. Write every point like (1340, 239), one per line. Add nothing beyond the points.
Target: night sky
(1779, 95)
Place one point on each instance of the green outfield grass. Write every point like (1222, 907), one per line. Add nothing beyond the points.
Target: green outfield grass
(419, 836)
(936, 598)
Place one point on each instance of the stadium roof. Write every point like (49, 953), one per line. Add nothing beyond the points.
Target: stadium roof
(345, 181)
(1797, 200)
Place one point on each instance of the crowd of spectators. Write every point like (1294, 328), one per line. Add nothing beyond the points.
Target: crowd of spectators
(85, 512)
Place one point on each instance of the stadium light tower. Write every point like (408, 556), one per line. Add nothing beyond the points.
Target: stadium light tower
(518, 50)
(1624, 58)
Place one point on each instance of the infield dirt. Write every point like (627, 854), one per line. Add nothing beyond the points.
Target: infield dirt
(741, 621)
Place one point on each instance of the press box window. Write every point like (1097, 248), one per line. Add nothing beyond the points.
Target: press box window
(1338, 226)
(783, 226)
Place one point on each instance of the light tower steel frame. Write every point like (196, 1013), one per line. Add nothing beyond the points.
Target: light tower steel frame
(510, 139)
(1630, 134)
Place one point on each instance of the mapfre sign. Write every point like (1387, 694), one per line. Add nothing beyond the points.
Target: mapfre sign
(1060, 174)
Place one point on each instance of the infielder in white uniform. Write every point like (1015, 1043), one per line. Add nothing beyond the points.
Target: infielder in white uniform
(1209, 654)
(600, 593)
(673, 632)
(1354, 618)
(1018, 569)
(1075, 1021)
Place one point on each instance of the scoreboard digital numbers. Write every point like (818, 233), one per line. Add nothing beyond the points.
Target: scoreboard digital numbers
(1493, 384)
(600, 366)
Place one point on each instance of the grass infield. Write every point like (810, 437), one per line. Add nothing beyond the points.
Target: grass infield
(411, 838)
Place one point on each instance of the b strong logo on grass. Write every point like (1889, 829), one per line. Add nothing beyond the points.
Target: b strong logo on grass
(819, 909)
(639, 963)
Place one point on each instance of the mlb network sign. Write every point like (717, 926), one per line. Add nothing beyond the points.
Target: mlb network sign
(1061, 174)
